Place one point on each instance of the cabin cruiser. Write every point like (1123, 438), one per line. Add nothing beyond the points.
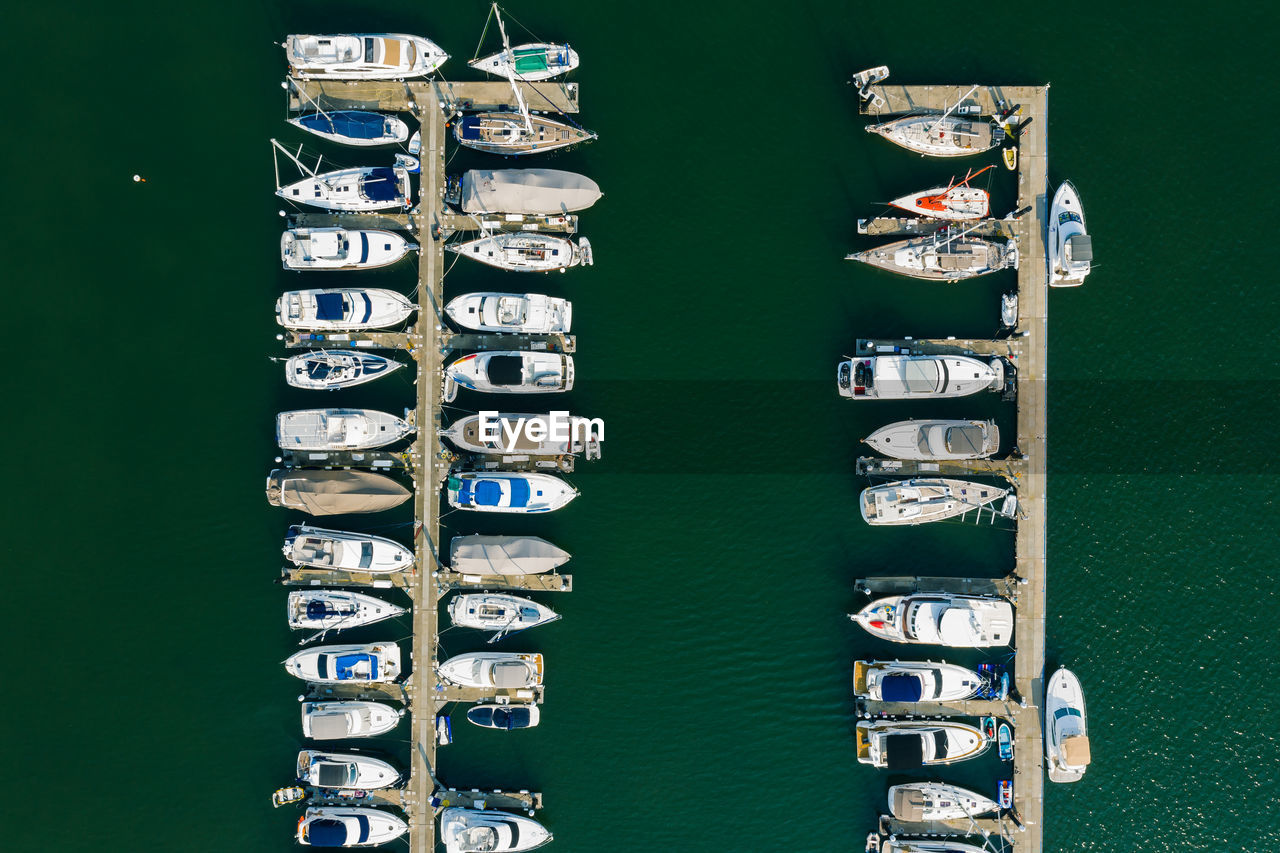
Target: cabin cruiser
(335, 609)
(510, 372)
(508, 491)
(334, 492)
(526, 251)
(354, 127)
(1070, 246)
(489, 831)
(942, 256)
(510, 433)
(913, 681)
(936, 135)
(341, 248)
(910, 744)
(940, 619)
(510, 134)
(1066, 731)
(954, 202)
(936, 440)
(909, 377)
(344, 771)
(342, 309)
(341, 826)
(332, 369)
(339, 720)
(537, 192)
(505, 614)
(365, 56)
(338, 549)
(504, 717)
(531, 313)
(339, 429)
(351, 664)
(921, 802)
(363, 189)
(920, 501)
(503, 670)
(504, 555)
(536, 61)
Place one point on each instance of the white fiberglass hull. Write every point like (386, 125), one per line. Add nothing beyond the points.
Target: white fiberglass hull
(335, 610)
(936, 801)
(958, 741)
(532, 62)
(339, 429)
(520, 251)
(339, 720)
(508, 492)
(504, 555)
(338, 549)
(564, 433)
(936, 440)
(912, 377)
(506, 133)
(954, 621)
(530, 313)
(333, 249)
(488, 611)
(935, 136)
(329, 126)
(328, 370)
(364, 56)
(342, 309)
(923, 501)
(929, 845)
(1066, 738)
(346, 664)
(489, 831)
(938, 257)
(953, 204)
(913, 681)
(503, 670)
(361, 190)
(336, 826)
(510, 372)
(345, 771)
(1070, 249)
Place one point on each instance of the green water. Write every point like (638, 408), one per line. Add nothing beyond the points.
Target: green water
(698, 694)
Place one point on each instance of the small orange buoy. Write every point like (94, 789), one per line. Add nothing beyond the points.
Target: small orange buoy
(138, 179)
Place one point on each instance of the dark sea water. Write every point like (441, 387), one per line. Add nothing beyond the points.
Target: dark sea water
(698, 687)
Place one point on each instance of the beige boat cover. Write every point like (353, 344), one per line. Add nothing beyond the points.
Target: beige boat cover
(334, 492)
(504, 555)
(535, 191)
(1075, 751)
(908, 804)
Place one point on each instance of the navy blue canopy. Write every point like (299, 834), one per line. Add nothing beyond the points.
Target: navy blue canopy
(362, 823)
(368, 308)
(352, 124)
(364, 246)
(346, 665)
(380, 184)
(470, 126)
(327, 832)
(489, 493)
(519, 492)
(901, 688)
(330, 306)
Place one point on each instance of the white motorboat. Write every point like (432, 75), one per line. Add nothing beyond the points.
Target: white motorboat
(530, 313)
(954, 202)
(945, 255)
(504, 555)
(332, 369)
(339, 549)
(1070, 246)
(504, 717)
(334, 492)
(344, 771)
(940, 619)
(364, 56)
(910, 377)
(510, 372)
(353, 127)
(1009, 310)
(352, 664)
(362, 189)
(532, 62)
(913, 681)
(342, 309)
(865, 80)
(335, 609)
(339, 429)
(508, 491)
(536, 192)
(526, 251)
(910, 744)
(489, 831)
(920, 501)
(341, 248)
(341, 826)
(919, 802)
(930, 440)
(503, 614)
(503, 670)
(339, 720)
(1066, 730)
(928, 845)
(935, 135)
(516, 433)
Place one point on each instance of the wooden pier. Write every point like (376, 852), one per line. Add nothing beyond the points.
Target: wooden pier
(421, 96)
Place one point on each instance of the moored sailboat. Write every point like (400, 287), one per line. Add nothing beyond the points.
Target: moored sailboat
(942, 256)
(955, 201)
(332, 369)
(920, 501)
(519, 251)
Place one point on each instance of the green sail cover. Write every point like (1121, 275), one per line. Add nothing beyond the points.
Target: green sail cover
(532, 59)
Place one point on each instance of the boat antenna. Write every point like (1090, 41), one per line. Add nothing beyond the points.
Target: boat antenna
(951, 108)
(511, 72)
(958, 236)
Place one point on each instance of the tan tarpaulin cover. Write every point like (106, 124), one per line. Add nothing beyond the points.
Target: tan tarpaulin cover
(334, 492)
(908, 804)
(504, 555)
(536, 191)
(1075, 751)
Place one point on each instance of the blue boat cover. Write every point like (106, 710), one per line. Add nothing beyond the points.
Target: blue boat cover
(901, 688)
(368, 308)
(326, 832)
(317, 609)
(519, 492)
(488, 493)
(464, 491)
(346, 665)
(352, 124)
(470, 127)
(380, 184)
(330, 306)
(364, 247)
(363, 823)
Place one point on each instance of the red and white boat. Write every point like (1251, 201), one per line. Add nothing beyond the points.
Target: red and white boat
(954, 202)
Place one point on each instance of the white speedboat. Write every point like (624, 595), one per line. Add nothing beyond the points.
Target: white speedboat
(1066, 730)
(530, 313)
(921, 501)
(504, 717)
(508, 491)
(514, 433)
(335, 609)
(510, 372)
(930, 440)
(942, 256)
(1070, 246)
(536, 192)
(910, 377)
(928, 845)
(954, 202)
(489, 831)
(941, 619)
(341, 248)
(920, 802)
(504, 555)
(504, 670)
(354, 127)
(910, 744)
(339, 720)
(534, 61)
(338, 429)
(336, 492)
(339, 549)
(938, 135)
(913, 681)
(328, 370)
(342, 309)
(340, 826)
(344, 771)
(526, 251)
(364, 56)
(505, 614)
(362, 189)
(354, 664)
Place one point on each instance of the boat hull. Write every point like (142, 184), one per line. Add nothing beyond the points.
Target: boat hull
(913, 681)
(936, 801)
(370, 773)
(335, 610)
(342, 309)
(343, 551)
(508, 492)
(502, 670)
(1065, 717)
(910, 502)
(506, 133)
(392, 56)
(486, 611)
(912, 377)
(936, 440)
(352, 190)
(936, 136)
(329, 127)
(533, 62)
(526, 252)
(511, 313)
(361, 249)
(334, 826)
(329, 370)
(348, 719)
(350, 664)
(1067, 229)
(962, 742)
(953, 204)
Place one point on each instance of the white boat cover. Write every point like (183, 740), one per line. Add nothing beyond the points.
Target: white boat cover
(504, 555)
(334, 492)
(535, 191)
(1075, 751)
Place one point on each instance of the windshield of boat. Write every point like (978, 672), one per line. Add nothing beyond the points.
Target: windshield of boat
(370, 50)
(336, 775)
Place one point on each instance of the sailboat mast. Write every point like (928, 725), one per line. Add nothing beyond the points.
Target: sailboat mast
(511, 72)
(950, 109)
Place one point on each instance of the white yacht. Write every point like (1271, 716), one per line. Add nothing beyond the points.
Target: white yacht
(335, 609)
(936, 440)
(344, 771)
(353, 127)
(504, 614)
(504, 717)
(339, 429)
(339, 549)
(510, 372)
(920, 501)
(1070, 246)
(565, 434)
(353, 664)
(910, 744)
(508, 492)
(526, 251)
(341, 826)
(942, 256)
(341, 249)
(342, 309)
(503, 670)
(911, 377)
(504, 555)
(530, 313)
(913, 681)
(339, 720)
(920, 802)
(489, 831)
(1066, 730)
(328, 370)
(535, 192)
(936, 135)
(940, 619)
(364, 56)
(534, 61)
(363, 189)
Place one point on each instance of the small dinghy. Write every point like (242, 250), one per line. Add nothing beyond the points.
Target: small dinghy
(340, 720)
(913, 681)
(1006, 793)
(921, 501)
(339, 429)
(954, 202)
(1004, 740)
(331, 369)
(338, 826)
(363, 56)
(504, 555)
(864, 80)
(1066, 729)
(363, 189)
(530, 313)
(510, 372)
(1009, 310)
(342, 309)
(503, 670)
(533, 192)
(504, 717)
(909, 377)
(532, 62)
(341, 249)
(910, 744)
(522, 251)
(508, 491)
(338, 549)
(489, 831)
(1010, 156)
(497, 612)
(344, 771)
(1070, 246)
(942, 256)
(354, 127)
(941, 619)
(920, 802)
(511, 433)
(334, 492)
(335, 610)
(355, 664)
(936, 440)
(288, 796)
